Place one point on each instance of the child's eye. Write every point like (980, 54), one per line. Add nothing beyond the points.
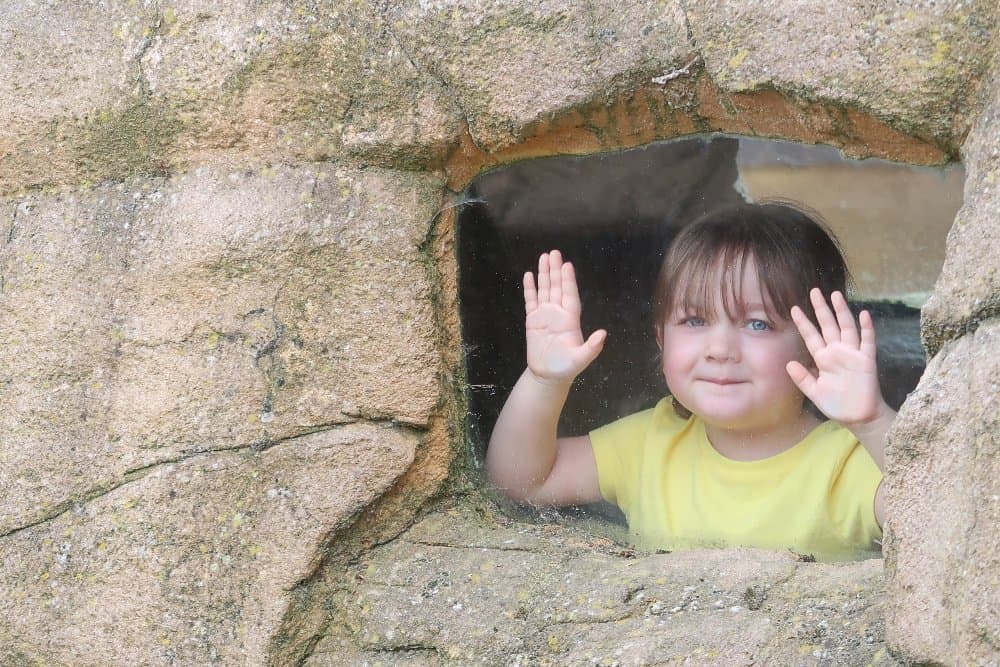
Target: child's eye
(693, 322)
(758, 325)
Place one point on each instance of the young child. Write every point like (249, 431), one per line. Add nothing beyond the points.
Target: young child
(752, 353)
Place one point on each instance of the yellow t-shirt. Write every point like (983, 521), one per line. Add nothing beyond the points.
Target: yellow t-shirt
(678, 492)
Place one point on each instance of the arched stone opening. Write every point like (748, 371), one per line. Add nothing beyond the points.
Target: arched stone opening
(561, 137)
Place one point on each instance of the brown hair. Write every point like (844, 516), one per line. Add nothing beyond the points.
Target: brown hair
(790, 248)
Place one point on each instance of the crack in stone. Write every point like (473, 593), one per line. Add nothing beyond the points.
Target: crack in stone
(968, 325)
(791, 575)
(10, 237)
(470, 546)
(687, 25)
(404, 648)
(448, 88)
(141, 472)
(632, 613)
(13, 224)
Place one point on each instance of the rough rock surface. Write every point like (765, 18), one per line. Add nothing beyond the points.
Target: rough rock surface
(968, 289)
(196, 558)
(163, 321)
(892, 59)
(105, 90)
(511, 64)
(460, 589)
(944, 463)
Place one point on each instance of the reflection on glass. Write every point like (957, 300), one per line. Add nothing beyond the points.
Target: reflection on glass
(613, 215)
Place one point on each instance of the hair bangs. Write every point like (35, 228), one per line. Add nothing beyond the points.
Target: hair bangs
(789, 250)
(705, 276)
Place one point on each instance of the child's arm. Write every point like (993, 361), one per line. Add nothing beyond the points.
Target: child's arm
(845, 386)
(525, 459)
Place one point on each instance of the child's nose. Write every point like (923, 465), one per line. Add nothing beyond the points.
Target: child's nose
(721, 343)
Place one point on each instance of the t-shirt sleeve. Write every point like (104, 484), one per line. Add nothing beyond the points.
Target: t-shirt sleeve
(852, 497)
(618, 453)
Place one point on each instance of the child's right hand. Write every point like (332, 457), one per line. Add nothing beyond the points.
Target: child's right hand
(557, 352)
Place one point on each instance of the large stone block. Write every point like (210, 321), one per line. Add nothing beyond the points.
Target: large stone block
(916, 66)
(108, 90)
(157, 320)
(968, 289)
(457, 590)
(193, 562)
(510, 64)
(943, 509)
(61, 265)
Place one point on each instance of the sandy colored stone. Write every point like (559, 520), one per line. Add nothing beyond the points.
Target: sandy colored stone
(968, 289)
(155, 319)
(63, 66)
(510, 65)
(917, 66)
(198, 559)
(457, 589)
(941, 547)
(60, 268)
(110, 90)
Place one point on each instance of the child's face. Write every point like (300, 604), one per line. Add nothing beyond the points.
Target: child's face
(732, 373)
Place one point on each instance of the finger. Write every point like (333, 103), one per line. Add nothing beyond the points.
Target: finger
(810, 335)
(868, 345)
(530, 293)
(827, 322)
(802, 378)
(571, 293)
(543, 278)
(845, 319)
(593, 345)
(555, 277)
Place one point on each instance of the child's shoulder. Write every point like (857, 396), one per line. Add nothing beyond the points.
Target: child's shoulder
(832, 443)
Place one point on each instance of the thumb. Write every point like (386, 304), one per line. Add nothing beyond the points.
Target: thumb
(802, 378)
(593, 345)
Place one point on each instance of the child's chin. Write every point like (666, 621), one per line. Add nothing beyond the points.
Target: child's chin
(728, 419)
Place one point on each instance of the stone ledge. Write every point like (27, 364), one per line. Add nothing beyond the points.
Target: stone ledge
(461, 588)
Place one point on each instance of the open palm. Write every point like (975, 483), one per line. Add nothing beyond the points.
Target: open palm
(557, 351)
(845, 384)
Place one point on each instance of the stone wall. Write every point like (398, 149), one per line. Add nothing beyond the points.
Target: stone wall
(230, 358)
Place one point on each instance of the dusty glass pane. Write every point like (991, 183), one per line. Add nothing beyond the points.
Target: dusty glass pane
(614, 214)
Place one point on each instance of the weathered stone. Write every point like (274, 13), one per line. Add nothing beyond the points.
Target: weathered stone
(197, 559)
(110, 90)
(941, 546)
(62, 65)
(61, 264)
(916, 66)
(150, 321)
(456, 590)
(968, 289)
(513, 64)
(320, 80)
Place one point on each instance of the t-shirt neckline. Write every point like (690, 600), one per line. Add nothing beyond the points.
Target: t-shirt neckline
(795, 450)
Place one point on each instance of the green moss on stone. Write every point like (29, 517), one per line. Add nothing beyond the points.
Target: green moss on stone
(118, 144)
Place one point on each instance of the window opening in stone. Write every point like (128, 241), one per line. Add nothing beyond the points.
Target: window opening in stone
(614, 214)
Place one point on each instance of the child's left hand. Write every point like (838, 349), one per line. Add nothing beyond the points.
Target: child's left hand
(845, 387)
